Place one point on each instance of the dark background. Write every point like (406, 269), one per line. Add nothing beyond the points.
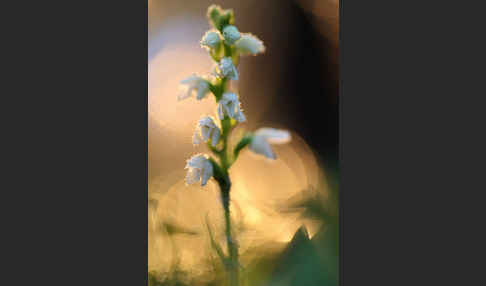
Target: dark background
(312, 86)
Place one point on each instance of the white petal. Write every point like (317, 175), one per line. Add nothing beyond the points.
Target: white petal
(206, 133)
(274, 136)
(230, 105)
(207, 173)
(259, 145)
(207, 121)
(184, 94)
(249, 44)
(228, 69)
(196, 139)
(231, 34)
(193, 176)
(234, 73)
(202, 89)
(230, 96)
(220, 111)
(211, 39)
(239, 114)
(215, 138)
(191, 80)
(196, 161)
(194, 83)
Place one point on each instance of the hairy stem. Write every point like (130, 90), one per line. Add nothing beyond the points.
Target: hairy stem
(224, 182)
(232, 265)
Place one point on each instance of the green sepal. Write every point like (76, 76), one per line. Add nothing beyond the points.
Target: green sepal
(214, 13)
(226, 124)
(214, 89)
(220, 18)
(217, 53)
(227, 18)
(235, 55)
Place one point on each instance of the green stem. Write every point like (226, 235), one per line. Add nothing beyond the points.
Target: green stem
(225, 187)
(227, 50)
(226, 129)
(222, 177)
(233, 265)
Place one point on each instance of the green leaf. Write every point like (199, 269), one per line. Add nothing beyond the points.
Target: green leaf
(214, 244)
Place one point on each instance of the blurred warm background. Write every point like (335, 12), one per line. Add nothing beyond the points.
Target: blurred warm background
(284, 211)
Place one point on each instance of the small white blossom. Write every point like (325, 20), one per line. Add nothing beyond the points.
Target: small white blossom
(231, 34)
(206, 129)
(194, 83)
(228, 69)
(211, 39)
(249, 44)
(262, 139)
(198, 169)
(230, 105)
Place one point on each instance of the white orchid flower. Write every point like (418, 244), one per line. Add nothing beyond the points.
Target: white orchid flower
(211, 39)
(230, 105)
(194, 83)
(199, 169)
(249, 44)
(206, 129)
(228, 69)
(231, 34)
(262, 139)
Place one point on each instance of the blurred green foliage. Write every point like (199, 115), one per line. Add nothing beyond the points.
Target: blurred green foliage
(302, 262)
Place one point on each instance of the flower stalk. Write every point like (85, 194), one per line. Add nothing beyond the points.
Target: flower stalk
(225, 44)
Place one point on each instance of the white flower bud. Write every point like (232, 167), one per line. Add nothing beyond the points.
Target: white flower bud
(205, 130)
(231, 34)
(198, 169)
(262, 139)
(230, 105)
(211, 39)
(249, 44)
(194, 83)
(228, 69)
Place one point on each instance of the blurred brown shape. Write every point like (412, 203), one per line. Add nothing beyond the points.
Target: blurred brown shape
(326, 19)
(326, 14)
